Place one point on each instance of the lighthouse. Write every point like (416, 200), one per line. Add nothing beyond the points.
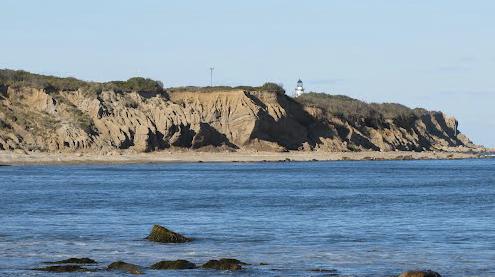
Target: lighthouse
(299, 88)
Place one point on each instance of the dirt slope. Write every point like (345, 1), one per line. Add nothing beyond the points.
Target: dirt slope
(50, 120)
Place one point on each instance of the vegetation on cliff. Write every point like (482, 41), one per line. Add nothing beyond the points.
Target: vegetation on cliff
(20, 78)
(341, 105)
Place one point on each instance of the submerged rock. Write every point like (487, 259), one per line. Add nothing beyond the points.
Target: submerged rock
(425, 273)
(64, 268)
(233, 261)
(74, 261)
(224, 264)
(126, 267)
(164, 235)
(178, 264)
(326, 272)
(323, 270)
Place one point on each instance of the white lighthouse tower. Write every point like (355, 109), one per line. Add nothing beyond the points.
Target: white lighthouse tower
(299, 88)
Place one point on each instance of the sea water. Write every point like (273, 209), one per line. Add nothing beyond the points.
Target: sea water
(352, 218)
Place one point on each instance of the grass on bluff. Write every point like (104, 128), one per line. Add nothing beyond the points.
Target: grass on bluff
(267, 87)
(347, 107)
(19, 78)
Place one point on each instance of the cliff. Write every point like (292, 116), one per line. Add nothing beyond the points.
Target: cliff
(77, 117)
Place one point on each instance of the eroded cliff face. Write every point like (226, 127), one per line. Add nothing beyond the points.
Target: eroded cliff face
(43, 120)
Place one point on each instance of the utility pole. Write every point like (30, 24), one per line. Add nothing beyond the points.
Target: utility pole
(211, 76)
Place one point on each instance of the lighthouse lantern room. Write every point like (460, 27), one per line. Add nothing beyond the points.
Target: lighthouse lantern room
(299, 88)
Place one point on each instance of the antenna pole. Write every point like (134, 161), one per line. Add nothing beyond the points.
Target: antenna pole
(211, 76)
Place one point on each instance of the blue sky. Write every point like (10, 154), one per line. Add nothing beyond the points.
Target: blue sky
(434, 54)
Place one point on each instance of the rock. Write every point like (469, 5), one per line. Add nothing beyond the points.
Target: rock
(405, 157)
(234, 261)
(64, 268)
(323, 270)
(224, 264)
(178, 264)
(426, 273)
(74, 261)
(164, 235)
(125, 267)
(326, 272)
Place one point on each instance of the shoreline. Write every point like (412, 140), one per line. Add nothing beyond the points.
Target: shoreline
(125, 157)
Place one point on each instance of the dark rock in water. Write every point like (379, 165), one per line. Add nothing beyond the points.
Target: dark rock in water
(178, 264)
(126, 267)
(224, 264)
(164, 235)
(233, 261)
(74, 261)
(425, 273)
(64, 268)
(328, 272)
(323, 270)
(264, 264)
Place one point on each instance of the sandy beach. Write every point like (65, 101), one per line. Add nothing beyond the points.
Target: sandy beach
(20, 157)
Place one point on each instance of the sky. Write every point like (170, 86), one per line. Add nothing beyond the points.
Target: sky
(439, 54)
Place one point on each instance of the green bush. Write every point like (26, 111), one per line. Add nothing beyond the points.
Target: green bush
(348, 107)
(135, 84)
(24, 78)
(272, 87)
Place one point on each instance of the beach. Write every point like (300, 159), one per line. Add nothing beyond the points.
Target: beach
(122, 157)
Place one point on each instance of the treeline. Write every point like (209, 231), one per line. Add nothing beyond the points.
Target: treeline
(23, 78)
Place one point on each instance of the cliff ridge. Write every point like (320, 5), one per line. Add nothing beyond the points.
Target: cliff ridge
(72, 118)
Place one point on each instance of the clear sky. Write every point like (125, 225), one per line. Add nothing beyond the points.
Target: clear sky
(434, 54)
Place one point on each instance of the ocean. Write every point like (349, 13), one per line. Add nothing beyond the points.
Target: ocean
(344, 218)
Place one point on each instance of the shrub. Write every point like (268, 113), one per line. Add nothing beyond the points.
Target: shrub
(272, 87)
(375, 114)
(24, 78)
(135, 84)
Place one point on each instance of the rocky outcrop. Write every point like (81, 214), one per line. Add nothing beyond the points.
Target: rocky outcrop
(173, 265)
(224, 264)
(125, 267)
(425, 273)
(236, 119)
(64, 268)
(74, 261)
(161, 234)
